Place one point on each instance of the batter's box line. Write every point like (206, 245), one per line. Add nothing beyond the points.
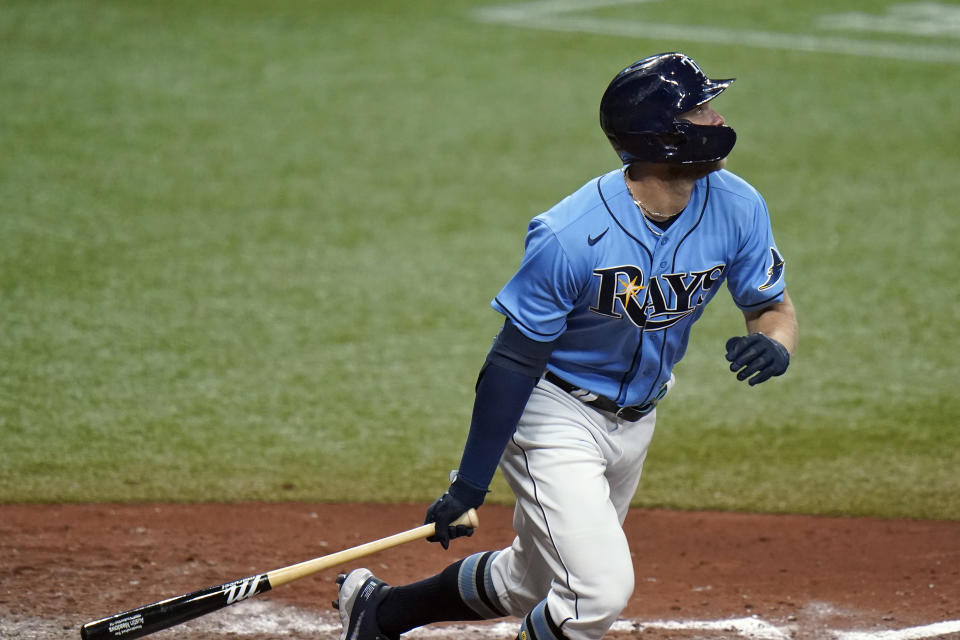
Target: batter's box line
(753, 628)
(749, 628)
(935, 630)
(274, 619)
(757, 629)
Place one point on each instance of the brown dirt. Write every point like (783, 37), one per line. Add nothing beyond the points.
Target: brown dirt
(75, 563)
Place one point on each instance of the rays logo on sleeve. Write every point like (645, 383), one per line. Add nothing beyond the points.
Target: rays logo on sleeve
(775, 272)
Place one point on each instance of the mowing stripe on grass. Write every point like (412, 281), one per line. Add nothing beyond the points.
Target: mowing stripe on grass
(551, 16)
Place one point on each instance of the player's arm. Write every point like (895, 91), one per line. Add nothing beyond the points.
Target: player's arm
(772, 336)
(778, 321)
(511, 371)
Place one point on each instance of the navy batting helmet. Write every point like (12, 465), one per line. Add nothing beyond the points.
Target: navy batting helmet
(639, 110)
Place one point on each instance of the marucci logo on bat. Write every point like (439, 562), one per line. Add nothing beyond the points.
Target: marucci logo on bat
(243, 589)
(621, 287)
(126, 625)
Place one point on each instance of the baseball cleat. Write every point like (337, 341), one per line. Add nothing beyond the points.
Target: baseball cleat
(360, 593)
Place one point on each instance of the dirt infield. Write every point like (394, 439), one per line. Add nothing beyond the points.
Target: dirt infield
(804, 577)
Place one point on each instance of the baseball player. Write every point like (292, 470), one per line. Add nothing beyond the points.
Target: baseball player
(612, 279)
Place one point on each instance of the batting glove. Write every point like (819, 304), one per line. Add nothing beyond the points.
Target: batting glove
(458, 499)
(757, 354)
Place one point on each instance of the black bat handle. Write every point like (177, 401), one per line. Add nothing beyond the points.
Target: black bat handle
(150, 618)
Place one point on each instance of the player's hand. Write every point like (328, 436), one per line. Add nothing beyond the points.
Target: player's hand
(458, 499)
(757, 354)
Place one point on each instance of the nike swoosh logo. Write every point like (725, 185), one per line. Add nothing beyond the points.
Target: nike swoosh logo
(592, 241)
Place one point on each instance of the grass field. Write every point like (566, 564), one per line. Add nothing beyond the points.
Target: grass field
(247, 252)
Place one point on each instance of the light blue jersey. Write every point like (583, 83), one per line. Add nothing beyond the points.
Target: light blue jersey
(619, 296)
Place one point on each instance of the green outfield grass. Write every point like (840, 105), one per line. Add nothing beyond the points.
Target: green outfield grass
(247, 251)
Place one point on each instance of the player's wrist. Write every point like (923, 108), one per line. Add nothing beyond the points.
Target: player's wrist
(466, 492)
(778, 346)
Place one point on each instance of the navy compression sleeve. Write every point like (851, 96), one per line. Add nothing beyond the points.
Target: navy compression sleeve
(511, 371)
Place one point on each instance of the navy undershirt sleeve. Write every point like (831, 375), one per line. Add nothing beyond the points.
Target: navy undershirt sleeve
(511, 371)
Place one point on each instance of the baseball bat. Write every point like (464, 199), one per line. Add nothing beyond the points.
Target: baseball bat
(150, 618)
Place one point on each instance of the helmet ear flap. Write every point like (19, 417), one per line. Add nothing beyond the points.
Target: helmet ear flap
(672, 140)
(684, 143)
(703, 143)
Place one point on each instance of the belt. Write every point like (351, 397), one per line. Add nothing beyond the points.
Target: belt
(630, 414)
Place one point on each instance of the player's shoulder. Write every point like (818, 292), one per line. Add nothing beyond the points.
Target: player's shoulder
(728, 184)
(577, 209)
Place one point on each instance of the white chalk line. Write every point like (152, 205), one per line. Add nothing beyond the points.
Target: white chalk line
(936, 630)
(553, 15)
(753, 628)
(267, 618)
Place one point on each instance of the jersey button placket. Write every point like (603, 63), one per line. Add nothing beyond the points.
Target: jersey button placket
(659, 252)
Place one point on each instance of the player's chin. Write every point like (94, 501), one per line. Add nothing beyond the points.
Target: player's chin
(710, 167)
(697, 170)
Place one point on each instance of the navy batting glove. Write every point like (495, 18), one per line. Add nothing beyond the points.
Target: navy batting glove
(757, 354)
(459, 498)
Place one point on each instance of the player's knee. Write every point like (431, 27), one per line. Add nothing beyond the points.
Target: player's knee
(609, 596)
(611, 581)
(614, 594)
(600, 597)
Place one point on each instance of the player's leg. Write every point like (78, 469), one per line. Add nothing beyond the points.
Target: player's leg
(537, 561)
(372, 610)
(456, 593)
(623, 472)
(569, 570)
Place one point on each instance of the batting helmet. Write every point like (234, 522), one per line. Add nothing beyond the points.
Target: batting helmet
(639, 110)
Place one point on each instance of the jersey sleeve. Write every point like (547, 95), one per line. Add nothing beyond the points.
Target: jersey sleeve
(756, 278)
(542, 292)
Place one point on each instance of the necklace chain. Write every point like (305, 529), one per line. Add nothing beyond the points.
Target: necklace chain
(643, 214)
(646, 211)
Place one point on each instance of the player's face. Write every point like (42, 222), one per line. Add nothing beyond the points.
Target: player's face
(703, 115)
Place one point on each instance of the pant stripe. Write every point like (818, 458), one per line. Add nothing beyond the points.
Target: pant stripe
(536, 497)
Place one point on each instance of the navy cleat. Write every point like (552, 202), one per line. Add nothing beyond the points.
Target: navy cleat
(359, 596)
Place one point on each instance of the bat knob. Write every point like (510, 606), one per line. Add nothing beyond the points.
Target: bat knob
(470, 519)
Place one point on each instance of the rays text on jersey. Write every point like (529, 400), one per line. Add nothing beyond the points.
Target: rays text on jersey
(621, 288)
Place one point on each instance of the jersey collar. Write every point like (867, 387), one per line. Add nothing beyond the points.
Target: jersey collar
(619, 204)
